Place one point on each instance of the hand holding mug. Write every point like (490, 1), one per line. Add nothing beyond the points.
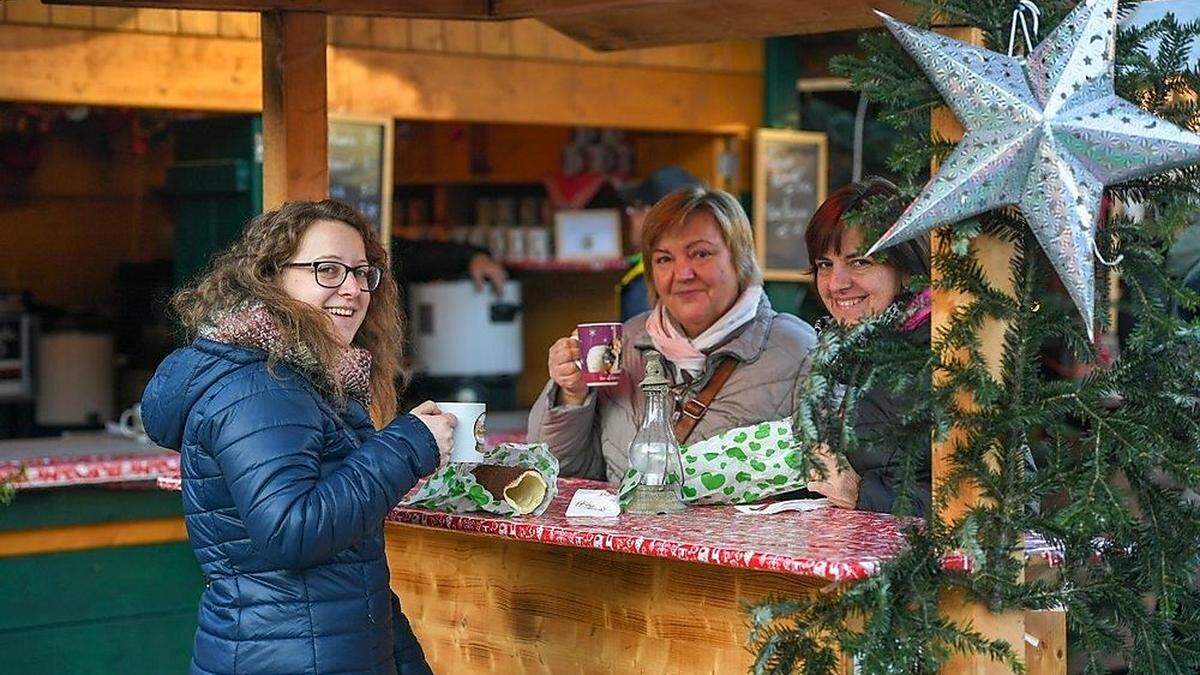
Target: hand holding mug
(440, 425)
(470, 429)
(563, 363)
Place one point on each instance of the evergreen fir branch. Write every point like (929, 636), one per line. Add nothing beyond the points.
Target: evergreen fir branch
(1118, 446)
(8, 486)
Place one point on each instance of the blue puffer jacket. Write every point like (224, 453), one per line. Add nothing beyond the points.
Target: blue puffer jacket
(284, 500)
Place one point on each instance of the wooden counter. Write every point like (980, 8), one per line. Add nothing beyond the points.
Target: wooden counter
(656, 594)
(632, 594)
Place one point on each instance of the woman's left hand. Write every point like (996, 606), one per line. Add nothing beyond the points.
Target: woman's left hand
(840, 485)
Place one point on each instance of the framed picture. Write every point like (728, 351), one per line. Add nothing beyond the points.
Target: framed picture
(360, 168)
(587, 234)
(790, 182)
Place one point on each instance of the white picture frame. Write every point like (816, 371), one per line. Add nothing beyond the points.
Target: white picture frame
(587, 234)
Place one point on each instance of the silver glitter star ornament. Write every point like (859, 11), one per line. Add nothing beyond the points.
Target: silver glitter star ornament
(1044, 133)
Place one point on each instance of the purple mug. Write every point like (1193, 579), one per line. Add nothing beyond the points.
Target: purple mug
(600, 353)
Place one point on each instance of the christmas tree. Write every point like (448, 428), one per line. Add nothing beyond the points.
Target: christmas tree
(1117, 442)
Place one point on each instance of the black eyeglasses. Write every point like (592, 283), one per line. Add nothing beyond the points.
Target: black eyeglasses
(332, 274)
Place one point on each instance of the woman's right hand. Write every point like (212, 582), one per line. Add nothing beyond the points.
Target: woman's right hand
(440, 424)
(563, 363)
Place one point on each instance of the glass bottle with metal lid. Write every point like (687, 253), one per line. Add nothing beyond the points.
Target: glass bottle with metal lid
(653, 451)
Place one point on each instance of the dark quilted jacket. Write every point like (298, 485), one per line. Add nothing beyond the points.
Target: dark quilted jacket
(284, 500)
(878, 458)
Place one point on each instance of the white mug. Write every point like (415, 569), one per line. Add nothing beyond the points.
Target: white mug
(130, 424)
(469, 432)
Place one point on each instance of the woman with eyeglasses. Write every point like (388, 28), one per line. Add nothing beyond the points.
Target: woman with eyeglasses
(284, 409)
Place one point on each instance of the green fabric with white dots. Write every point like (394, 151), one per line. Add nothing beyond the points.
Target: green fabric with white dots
(739, 466)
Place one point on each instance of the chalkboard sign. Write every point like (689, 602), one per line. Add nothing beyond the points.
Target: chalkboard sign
(360, 168)
(789, 183)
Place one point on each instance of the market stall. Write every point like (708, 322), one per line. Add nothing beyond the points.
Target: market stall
(294, 93)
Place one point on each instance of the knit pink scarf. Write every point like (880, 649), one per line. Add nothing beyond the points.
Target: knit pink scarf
(918, 311)
(253, 326)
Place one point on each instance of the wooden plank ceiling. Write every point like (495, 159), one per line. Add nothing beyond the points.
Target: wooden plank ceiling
(630, 24)
(603, 25)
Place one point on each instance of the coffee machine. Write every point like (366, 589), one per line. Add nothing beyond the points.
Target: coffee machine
(467, 342)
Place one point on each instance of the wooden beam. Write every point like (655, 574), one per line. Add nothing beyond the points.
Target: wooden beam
(626, 25)
(1008, 626)
(603, 25)
(450, 87)
(122, 69)
(435, 9)
(96, 535)
(994, 255)
(184, 72)
(540, 9)
(1046, 648)
(295, 112)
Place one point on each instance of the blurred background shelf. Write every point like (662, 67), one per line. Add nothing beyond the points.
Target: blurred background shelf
(609, 265)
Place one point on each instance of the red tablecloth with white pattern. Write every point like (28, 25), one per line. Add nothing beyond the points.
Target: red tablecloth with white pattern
(828, 543)
(84, 459)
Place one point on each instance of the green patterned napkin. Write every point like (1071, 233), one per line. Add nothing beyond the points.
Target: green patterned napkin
(740, 466)
(455, 489)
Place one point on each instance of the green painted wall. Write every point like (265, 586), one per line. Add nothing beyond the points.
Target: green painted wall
(86, 505)
(124, 609)
(781, 110)
(781, 69)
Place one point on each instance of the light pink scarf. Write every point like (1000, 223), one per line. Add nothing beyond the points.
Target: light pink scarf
(689, 353)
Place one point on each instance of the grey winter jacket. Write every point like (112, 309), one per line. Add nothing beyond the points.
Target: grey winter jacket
(591, 440)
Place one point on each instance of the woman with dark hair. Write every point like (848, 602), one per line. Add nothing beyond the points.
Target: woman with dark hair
(851, 285)
(854, 287)
(286, 479)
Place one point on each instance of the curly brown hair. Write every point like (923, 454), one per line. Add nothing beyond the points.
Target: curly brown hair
(248, 271)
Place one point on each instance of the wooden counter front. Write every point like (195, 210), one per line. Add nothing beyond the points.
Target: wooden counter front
(634, 594)
(656, 594)
(481, 604)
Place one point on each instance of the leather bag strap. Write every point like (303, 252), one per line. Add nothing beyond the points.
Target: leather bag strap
(694, 408)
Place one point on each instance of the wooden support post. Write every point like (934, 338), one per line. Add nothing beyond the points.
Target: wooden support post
(1046, 651)
(994, 256)
(295, 110)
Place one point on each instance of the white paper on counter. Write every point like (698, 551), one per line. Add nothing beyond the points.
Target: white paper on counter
(788, 505)
(593, 503)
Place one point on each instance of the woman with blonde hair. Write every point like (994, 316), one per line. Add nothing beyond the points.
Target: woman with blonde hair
(286, 480)
(709, 319)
